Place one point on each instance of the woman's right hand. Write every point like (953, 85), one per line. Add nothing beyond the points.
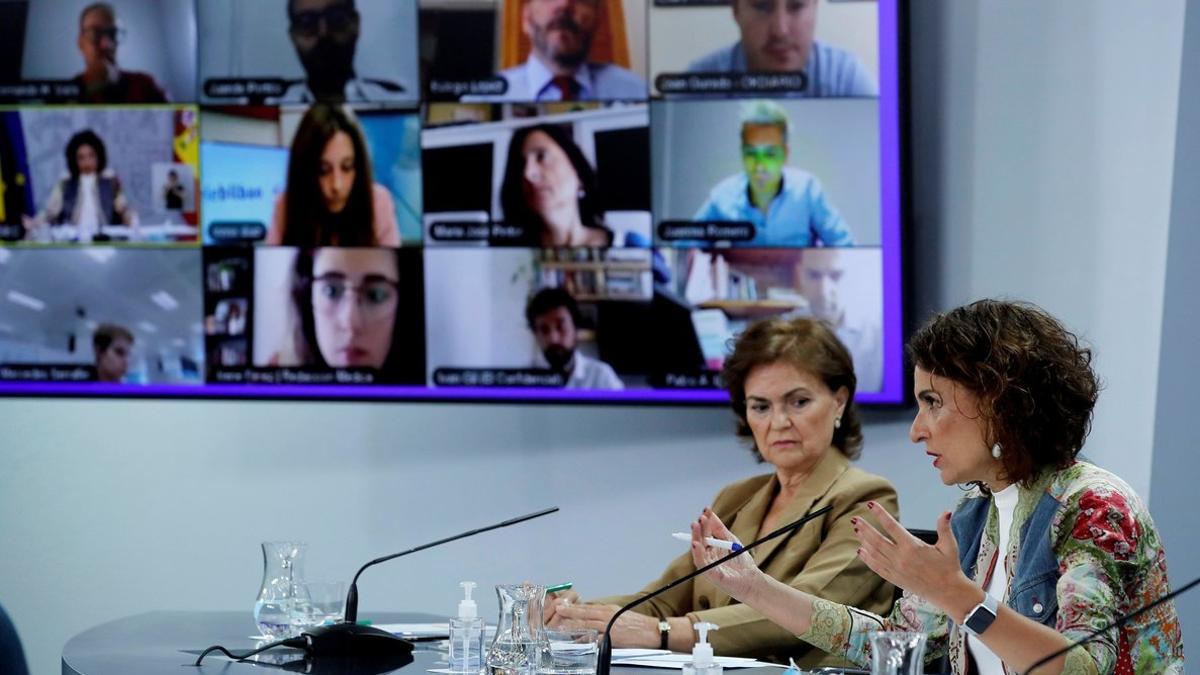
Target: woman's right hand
(738, 577)
(550, 614)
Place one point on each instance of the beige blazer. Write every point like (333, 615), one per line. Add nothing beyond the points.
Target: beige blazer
(820, 558)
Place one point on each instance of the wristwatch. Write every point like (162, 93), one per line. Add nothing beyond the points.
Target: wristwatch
(980, 618)
(664, 628)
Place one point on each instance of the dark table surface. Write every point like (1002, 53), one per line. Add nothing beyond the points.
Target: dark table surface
(163, 643)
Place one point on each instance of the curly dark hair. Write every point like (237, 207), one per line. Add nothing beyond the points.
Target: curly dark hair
(552, 298)
(1033, 378)
(89, 138)
(807, 344)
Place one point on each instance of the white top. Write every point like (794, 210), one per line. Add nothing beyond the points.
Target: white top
(89, 217)
(586, 372)
(1006, 505)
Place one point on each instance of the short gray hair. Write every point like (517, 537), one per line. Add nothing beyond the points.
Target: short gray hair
(764, 112)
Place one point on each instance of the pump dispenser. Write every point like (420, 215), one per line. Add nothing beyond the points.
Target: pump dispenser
(466, 635)
(702, 653)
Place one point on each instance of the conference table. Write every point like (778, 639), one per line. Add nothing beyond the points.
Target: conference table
(161, 643)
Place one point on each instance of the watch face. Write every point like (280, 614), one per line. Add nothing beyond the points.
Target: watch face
(980, 620)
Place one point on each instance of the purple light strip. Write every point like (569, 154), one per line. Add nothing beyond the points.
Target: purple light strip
(891, 207)
(893, 380)
(385, 392)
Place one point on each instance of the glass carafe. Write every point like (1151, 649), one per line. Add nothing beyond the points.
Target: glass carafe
(519, 633)
(283, 569)
(897, 653)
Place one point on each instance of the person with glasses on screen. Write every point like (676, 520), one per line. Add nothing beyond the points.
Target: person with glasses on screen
(345, 304)
(325, 35)
(553, 315)
(558, 69)
(102, 81)
(777, 36)
(332, 198)
(787, 206)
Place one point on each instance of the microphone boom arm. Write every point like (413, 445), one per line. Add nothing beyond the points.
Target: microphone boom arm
(351, 613)
(604, 660)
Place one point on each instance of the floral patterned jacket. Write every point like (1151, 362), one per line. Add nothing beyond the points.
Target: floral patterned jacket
(1083, 552)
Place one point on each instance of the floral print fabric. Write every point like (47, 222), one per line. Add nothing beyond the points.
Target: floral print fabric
(1110, 562)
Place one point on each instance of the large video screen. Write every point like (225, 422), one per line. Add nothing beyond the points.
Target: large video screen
(483, 200)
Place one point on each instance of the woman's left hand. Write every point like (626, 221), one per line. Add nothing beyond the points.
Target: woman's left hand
(631, 630)
(930, 571)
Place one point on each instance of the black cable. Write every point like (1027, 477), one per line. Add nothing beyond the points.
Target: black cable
(296, 642)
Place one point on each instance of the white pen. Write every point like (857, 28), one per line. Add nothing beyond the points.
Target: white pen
(716, 543)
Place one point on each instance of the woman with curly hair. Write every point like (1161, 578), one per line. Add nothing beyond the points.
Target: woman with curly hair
(1044, 549)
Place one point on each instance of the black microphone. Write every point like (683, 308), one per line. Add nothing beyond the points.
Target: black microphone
(349, 638)
(1120, 621)
(604, 658)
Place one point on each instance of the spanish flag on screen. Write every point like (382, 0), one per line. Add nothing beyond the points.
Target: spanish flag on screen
(14, 169)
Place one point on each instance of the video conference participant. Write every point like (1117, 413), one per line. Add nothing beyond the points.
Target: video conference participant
(102, 80)
(325, 35)
(173, 192)
(1005, 397)
(550, 189)
(90, 196)
(112, 345)
(345, 311)
(777, 36)
(786, 205)
(819, 274)
(553, 316)
(792, 387)
(331, 197)
(558, 69)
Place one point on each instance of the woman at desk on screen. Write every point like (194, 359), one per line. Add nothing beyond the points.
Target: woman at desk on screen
(1042, 550)
(88, 198)
(791, 383)
(331, 197)
(550, 191)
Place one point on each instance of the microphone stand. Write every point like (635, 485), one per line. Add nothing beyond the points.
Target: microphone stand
(604, 658)
(347, 637)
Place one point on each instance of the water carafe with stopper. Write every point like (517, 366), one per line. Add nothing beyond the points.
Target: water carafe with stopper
(283, 569)
(519, 633)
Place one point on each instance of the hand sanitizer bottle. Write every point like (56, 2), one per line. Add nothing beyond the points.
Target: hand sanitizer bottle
(702, 653)
(466, 635)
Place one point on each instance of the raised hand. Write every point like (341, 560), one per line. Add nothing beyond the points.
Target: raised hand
(926, 570)
(739, 576)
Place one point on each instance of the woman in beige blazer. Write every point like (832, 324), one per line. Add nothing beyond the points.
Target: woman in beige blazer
(791, 384)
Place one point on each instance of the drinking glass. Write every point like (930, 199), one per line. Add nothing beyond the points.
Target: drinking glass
(569, 651)
(318, 603)
(897, 653)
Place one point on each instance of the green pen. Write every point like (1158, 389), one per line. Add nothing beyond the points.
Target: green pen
(363, 622)
(559, 587)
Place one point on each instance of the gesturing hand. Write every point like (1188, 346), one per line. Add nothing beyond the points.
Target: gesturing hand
(930, 571)
(736, 577)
